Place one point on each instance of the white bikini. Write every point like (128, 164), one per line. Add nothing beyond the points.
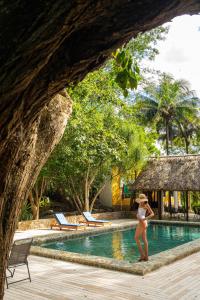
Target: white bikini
(141, 213)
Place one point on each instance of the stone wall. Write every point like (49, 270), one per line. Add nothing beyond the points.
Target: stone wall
(45, 223)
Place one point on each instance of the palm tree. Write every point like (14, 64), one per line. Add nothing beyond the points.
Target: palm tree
(168, 104)
(188, 131)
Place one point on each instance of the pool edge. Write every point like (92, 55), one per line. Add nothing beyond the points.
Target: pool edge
(139, 268)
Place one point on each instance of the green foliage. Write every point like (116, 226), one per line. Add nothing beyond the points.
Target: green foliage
(126, 69)
(140, 144)
(98, 88)
(103, 132)
(125, 65)
(144, 45)
(100, 135)
(45, 201)
(26, 212)
(172, 107)
(195, 199)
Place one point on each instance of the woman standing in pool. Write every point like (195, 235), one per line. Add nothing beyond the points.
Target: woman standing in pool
(144, 213)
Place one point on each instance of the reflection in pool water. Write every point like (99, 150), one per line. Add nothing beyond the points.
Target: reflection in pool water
(120, 245)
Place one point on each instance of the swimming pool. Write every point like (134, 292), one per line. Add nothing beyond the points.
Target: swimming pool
(120, 244)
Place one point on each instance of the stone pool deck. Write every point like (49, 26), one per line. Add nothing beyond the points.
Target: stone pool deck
(140, 268)
(59, 280)
(40, 235)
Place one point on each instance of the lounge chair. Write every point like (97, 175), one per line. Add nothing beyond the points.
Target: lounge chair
(62, 223)
(18, 257)
(90, 220)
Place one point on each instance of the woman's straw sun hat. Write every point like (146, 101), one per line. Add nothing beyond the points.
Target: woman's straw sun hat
(141, 198)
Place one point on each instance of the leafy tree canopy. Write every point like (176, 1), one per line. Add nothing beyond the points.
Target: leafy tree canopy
(172, 107)
(103, 131)
(125, 65)
(100, 135)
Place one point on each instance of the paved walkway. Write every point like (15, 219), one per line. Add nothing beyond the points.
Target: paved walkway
(58, 280)
(43, 232)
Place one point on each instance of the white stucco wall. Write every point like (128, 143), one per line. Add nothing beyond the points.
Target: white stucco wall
(106, 195)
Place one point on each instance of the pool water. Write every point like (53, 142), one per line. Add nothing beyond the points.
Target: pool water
(120, 245)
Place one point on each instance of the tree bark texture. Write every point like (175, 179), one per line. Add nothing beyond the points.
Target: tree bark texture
(21, 163)
(35, 196)
(46, 45)
(187, 143)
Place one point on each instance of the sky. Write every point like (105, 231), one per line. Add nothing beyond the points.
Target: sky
(180, 52)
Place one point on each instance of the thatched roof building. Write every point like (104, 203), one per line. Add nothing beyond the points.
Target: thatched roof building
(170, 173)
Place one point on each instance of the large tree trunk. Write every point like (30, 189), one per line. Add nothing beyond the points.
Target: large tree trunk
(187, 143)
(32, 201)
(35, 197)
(49, 44)
(87, 190)
(21, 163)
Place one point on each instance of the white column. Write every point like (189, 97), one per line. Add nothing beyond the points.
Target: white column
(162, 203)
(175, 194)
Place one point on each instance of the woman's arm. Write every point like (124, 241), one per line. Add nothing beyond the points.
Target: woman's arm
(150, 211)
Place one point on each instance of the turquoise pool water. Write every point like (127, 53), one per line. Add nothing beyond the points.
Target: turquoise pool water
(121, 245)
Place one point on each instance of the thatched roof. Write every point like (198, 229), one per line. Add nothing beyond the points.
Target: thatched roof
(170, 173)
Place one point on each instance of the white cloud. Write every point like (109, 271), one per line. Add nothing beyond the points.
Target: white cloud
(180, 52)
(175, 55)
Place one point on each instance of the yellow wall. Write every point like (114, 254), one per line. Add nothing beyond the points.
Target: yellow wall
(166, 199)
(117, 192)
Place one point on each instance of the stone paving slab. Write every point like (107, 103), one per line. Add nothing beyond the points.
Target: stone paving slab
(40, 235)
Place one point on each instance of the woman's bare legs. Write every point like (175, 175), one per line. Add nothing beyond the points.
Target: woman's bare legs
(138, 233)
(144, 238)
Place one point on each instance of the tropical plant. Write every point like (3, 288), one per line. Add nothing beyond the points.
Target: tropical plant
(140, 144)
(195, 199)
(189, 131)
(169, 105)
(26, 212)
(126, 69)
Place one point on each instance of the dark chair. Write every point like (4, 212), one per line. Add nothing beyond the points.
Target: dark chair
(173, 212)
(18, 257)
(166, 211)
(182, 211)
